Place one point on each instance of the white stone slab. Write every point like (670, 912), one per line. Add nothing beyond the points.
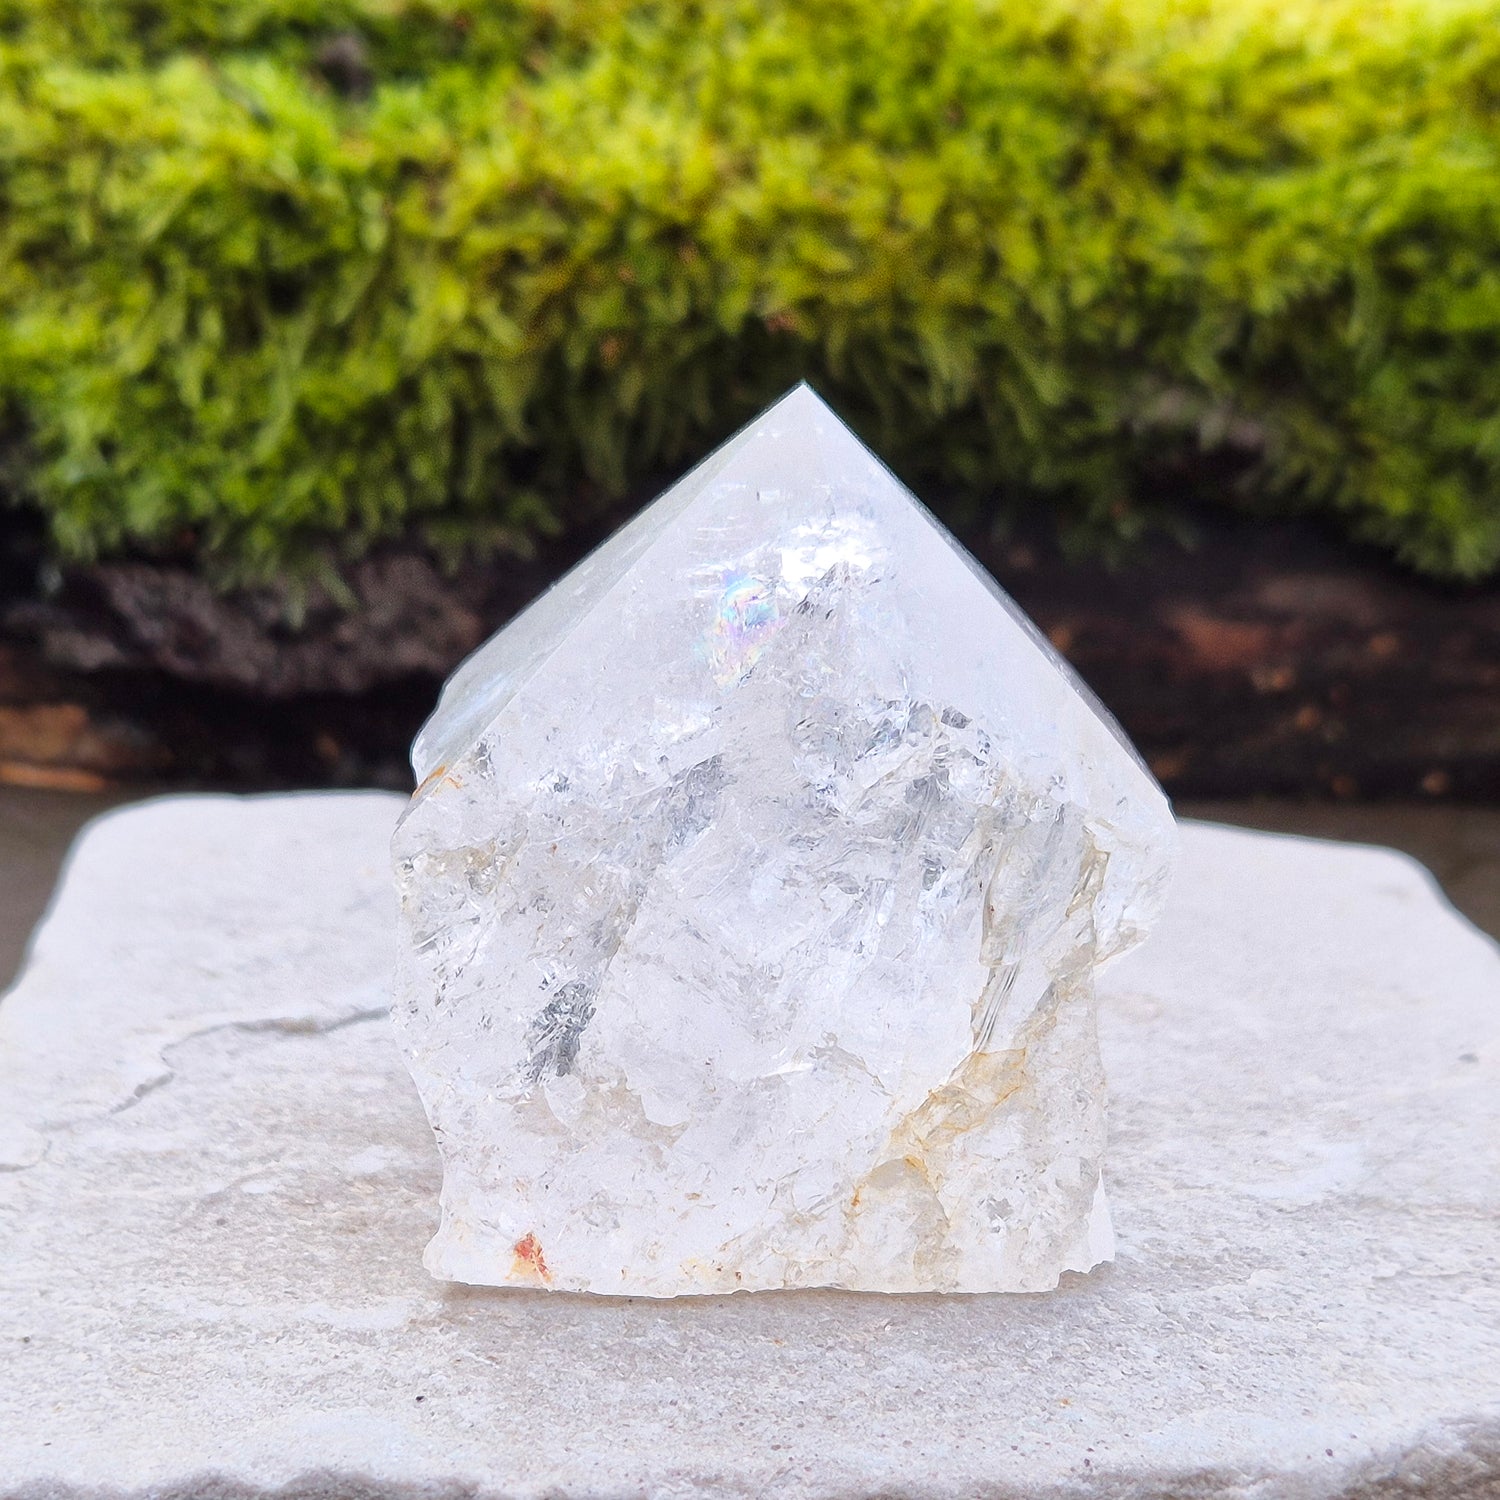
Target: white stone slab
(219, 1183)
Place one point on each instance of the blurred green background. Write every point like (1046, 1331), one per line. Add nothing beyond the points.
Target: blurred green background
(281, 279)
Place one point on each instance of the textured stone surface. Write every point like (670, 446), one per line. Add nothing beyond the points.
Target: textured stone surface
(751, 902)
(210, 1238)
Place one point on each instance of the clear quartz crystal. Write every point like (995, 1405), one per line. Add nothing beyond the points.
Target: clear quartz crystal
(751, 900)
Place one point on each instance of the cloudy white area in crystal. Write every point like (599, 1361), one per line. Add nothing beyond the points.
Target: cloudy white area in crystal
(751, 900)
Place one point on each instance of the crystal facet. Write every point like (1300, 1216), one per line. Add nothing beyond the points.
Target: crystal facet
(751, 900)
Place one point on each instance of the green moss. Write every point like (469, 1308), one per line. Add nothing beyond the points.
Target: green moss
(275, 275)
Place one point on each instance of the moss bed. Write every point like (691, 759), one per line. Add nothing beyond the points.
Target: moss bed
(281, 279)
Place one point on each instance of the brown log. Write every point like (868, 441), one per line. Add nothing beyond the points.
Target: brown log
(1263, 658)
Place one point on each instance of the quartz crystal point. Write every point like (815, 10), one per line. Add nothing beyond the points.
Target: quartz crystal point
(751, 900)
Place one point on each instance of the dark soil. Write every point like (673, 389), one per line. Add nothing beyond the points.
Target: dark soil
(1263, 658)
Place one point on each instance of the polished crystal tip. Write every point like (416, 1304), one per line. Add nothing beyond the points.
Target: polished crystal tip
(751, 900)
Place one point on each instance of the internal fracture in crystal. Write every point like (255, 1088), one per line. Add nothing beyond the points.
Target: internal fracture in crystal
(751, 901)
